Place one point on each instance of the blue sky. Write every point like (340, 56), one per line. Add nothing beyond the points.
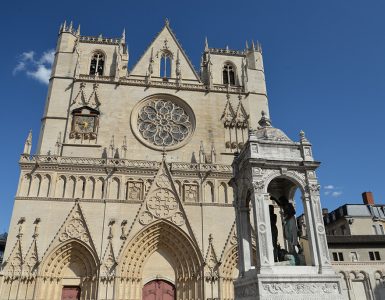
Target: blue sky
(324, 64)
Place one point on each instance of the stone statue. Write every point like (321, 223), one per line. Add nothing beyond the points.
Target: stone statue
(290, 230)
(274, 231)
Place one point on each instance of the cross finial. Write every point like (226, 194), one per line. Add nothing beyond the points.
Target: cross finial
(264, 121)
(302, 136)
(210, 238)
(166, 22)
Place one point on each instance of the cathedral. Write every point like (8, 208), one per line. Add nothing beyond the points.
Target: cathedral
(131, 193)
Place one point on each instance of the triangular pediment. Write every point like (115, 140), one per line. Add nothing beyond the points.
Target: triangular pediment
(81, 99)
(162, 202)
(231, 241)
(228, 114)
(165, 42)
(109, 262)
(74, 227)
(211, 261)
(13, 265)
(31, 261)
(241, 117)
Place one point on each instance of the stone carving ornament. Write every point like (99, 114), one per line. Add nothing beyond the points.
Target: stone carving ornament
(162, 204)
(300, 288)
(75, 229)
(163, 123)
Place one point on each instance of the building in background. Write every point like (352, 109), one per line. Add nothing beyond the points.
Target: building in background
(356, 240)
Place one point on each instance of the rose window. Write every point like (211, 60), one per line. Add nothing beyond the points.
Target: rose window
(163, 123)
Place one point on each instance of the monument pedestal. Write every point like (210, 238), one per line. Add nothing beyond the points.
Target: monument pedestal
(294, 286)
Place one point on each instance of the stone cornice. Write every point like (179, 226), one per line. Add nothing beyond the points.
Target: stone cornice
(124, 201)
(162, 84)
(100, 165)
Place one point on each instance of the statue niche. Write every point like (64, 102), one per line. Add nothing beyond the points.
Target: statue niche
(283, 223)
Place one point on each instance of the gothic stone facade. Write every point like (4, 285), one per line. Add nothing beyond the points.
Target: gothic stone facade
(129, 183)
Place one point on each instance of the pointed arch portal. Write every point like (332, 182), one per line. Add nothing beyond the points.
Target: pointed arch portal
(182, 254)
(69, 271)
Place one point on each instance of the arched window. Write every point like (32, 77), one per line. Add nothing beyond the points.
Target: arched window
(165, 65)
(228, 74)
(97, 64)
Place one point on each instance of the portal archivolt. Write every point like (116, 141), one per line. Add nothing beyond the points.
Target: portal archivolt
(71, 264)
(182, 252)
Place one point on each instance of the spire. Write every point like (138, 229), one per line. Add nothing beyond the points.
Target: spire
(61, 28)
(252, 45)
(112, 146)
(247, 45)
(71, 26)
(178, 71)
(150, 69)
(58, 145)
(78, 30)
(264, 121)
(259, 47)
(206, 44)
(123, 39)
(65, 25)
(213, 154)
(202, 155)
(28, 143)
(124, 147)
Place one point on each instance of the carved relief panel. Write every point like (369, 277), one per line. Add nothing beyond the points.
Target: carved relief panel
(134, 190)
(190, 192)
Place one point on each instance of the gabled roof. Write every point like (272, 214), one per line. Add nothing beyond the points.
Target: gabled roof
(144, 60)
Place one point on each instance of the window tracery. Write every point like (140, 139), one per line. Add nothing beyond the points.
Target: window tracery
(228, 74)
(97, 64)
(163, 123)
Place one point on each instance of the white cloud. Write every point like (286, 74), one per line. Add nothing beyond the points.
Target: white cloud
(39, 69)
(42, 74)
(28, 56)
(47, 57)
(331, 190)
(336, 194)
(329, 187)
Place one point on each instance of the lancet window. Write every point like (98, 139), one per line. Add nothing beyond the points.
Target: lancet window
(228, 74)
(97, 64)
(165, 65)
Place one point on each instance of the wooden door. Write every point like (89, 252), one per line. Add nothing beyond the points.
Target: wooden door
(70, 293)
(158, 290)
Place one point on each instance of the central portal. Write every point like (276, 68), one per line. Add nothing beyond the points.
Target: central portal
(158, 290)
